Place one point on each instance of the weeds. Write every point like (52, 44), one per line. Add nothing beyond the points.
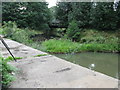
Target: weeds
(67, 46)
(11, 58)
(39, 55)
(90, 40)
(6, 71)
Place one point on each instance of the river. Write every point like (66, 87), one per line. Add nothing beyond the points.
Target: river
(106, 63)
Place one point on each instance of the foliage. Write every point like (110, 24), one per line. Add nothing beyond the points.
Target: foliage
(1, 31)
(98, 36)
(103, 16)
(11, 58)
(34, 15)
(23, 36)
(6, 71)
(53, 12)
(118, 14)
(97, 15)
(67, 46)
(9, 29)
(60, 46)
(39, 55)
(91, 40)
(73, 30)
(62, 11)
(81, 12)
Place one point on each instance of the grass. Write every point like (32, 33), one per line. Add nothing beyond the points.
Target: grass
(67, 46)
(1, 31)
(11, 58)
(96, 36)
(6, 71)
(60, 46)
(39, 55)
(90, 40)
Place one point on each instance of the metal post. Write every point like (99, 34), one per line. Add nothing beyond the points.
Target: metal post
(7, 47)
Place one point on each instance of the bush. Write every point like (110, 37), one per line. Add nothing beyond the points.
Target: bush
(60, 46)
(22, 36)
(1, 31)
(73, 30)
(9, 29)
(6, 71)
(67, 46)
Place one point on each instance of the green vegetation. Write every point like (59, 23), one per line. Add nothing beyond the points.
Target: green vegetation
(34, 15)
(7, 71)
(88, 15)
(60, 46)
(97, 15)
(67, 46)
(73, 31)
(87, 26)
(11, 58)
(89, 40)
(39, 55)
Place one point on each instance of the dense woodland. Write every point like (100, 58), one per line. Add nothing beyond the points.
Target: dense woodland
(95, 15)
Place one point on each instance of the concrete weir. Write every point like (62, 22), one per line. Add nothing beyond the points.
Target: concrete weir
(51, 72)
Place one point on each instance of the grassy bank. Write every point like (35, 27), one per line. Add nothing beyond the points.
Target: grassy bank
(89, 40)
(67, 46)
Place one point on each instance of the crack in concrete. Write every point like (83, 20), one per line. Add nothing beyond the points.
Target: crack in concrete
(62, 70)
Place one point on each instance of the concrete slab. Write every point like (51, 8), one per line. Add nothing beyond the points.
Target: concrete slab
(52, 72)
(18, 50)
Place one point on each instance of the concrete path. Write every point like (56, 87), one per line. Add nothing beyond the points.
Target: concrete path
(52, 72)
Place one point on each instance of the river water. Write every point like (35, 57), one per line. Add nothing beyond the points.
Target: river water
(106, 63)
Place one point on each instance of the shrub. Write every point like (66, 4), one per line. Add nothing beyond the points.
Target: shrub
(60, 46)
(73, 30)
(23, 36)
(9, 29)
(6, 71)
(1, 31)
(67, 46)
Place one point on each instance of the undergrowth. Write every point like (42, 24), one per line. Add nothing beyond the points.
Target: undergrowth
(67, 46)
(7, 72)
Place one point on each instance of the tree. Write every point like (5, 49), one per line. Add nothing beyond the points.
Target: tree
(103, 16)
(73, 30)
(81, 13)
(118, 14)
(34, 15)
(62, 11)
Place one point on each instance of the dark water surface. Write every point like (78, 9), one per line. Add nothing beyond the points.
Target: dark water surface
(106, 63)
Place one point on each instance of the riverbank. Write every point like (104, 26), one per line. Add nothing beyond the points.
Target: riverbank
(67, 46)
(90, 40)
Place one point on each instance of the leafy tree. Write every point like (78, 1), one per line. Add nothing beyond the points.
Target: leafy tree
(73, 30)
(118, 14)
(81, 13)
(34, 15)
(97, 15)
(62, 11)
(53, 12)
(103, 16)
